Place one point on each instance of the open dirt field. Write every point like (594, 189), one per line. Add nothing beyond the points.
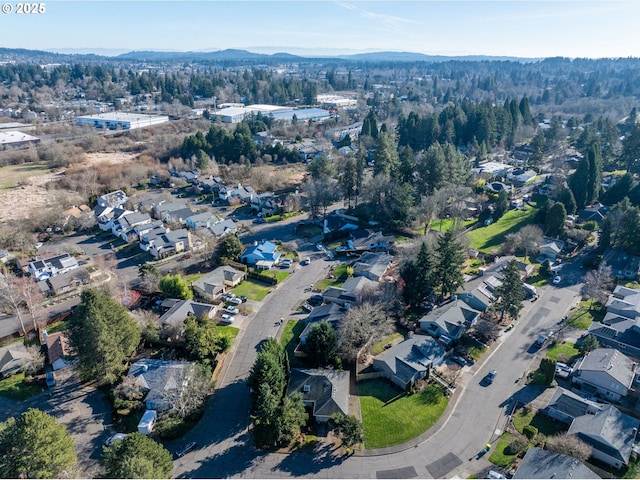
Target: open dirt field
(24, 193)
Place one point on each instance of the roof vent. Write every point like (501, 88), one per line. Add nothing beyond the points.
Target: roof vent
(306, 388)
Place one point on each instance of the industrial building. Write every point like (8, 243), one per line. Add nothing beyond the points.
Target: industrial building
(121, 120)
(282, 114)
(16, 139)
(335, 101)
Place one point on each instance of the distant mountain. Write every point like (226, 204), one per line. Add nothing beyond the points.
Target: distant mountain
(421, 57)
(229, 54)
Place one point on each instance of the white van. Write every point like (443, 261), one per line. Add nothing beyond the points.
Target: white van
(147, 422)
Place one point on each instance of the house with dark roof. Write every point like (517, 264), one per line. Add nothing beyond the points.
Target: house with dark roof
(539, 463)
(621, 264)
(565, 406)
(180, 310)
(610, 432)
(372, 265)
(606, 373)
(551, 248)
(217, 282)
(595, 213)
(113, 199)
(410, 360)
(177, 216)
(163, 380)
(263, 255)
(169, 243)
(223, 228)
(59, 351)
(350, 292)
(123, 226)
(64, 283)
(451, 319)
(52, 266)
(325, 392)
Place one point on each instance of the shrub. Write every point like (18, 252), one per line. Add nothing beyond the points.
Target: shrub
(530, 431)
(171, 427)
(517, 446)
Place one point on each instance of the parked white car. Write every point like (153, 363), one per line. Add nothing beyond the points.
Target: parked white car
(231, 310)
(227, 319)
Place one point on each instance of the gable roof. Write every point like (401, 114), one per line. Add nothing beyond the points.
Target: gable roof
(374, 263)
(264, 250)
(182, 309)
(611, 362)
(538, 463)
(223, 227)
(13, 357)
(328, 390)
(571, 404)
(160, 377)
(412, 355)
(214, 281)
(609, 431)
(452, 317)
(58, 346)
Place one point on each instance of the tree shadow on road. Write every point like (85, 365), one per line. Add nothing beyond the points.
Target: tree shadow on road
(304, 464)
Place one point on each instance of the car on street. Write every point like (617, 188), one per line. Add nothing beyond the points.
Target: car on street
(306, 261)
(557, 279)
(320, 247)
(231, 310)
(113, 438)
(50, 379)
(186, 448)
(540, 341)
(227, 319)
(489, 378)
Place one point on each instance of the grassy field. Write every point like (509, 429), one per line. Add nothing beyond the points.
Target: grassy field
(15, 388)
(562, 352)
(14, 174)
(390, 416)
(253, 290)
(582, 317)
(489, 238)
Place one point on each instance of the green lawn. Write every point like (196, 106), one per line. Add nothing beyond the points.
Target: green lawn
(545, 425)
(289, 338)
(562, 352)
(252, 289)
(583, 316)
(229, 331)
(378, 348)
(390, 416)
(474, 348)
(340, 274)
(193, 277)
(488, 238)
(15, 388)
(12, 175)
(498, 456)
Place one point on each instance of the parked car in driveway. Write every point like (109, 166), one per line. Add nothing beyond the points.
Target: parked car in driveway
(557, 279)
(459, 360)
(231, 310)
(235, 301)
(186, 448)
(227, 319)
(50, 379)
(286, 263)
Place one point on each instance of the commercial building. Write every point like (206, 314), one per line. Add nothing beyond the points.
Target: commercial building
(16, 139)
(121, 120)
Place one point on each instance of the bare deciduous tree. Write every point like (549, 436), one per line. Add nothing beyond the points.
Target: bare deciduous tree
(366, 322)
(187, 401)
(597, 283)
(571, 445)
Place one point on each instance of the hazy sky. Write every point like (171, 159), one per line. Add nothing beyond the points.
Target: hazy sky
(514, 28)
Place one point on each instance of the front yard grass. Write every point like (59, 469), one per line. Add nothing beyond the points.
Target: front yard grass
(14, 387)
(289, 338)
(340, 276)
(391, 417)
(229, 331)
(563, 352)
(485, 239)
(583, 316)
(252, 289)
(498, 456)
(474, 348)
(545, 425)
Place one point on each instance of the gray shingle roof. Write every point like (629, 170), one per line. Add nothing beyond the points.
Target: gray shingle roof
(615, 364)
(538, 463)
(328, 390)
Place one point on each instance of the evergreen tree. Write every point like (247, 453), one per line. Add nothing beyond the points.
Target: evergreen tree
(347, 427)
(229, 248)
(348, 179)
(387, 159)
(568, 200)
(321, 344)
(510, 293)
(450, 260)
(578, 183)
(622, 188)
(104, 336)
(137, 456)
(555, 219)
(174, 286)
(502, 204)
(35, 445)
(594, 159)
(292, 416)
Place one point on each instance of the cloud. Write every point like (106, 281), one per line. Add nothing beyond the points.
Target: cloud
(390, 22)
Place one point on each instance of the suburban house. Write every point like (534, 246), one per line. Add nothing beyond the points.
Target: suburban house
(329, 312)
(450, 320)
(565, 406)
(620, 328)
(159, 208)
(177, 216)
(171, 242)
(595, 213)
(410, 360)
(372, 265)
(58, 349)
(499, 263)
(123, 226)
(551, 248)
(211, 185)
(521, 176)
(64, 283)
(108, 215)
(262, 255)
(539, 463)
(201, 220)
(13, 359)
(223, 228)
(368, 240)
(215, 283)
(52, 266)
(610, 432)
(182, 309)
(621, 264)
(113, 199)
(244, 194)
(149, 237)
(350, 292)
(606, 373)
(163, 380)
(324, 392)
(265, 203)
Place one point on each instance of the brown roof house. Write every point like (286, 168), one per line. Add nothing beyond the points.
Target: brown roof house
(58, 349)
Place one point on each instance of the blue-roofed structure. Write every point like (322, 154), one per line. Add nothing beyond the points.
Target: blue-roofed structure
(262, 255)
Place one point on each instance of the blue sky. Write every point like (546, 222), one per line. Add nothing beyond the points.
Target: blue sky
(513, 28)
